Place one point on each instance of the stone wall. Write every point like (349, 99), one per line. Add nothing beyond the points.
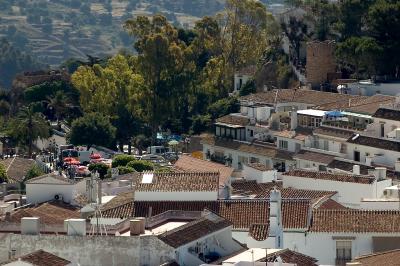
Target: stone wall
(88, 250)
(320, 61)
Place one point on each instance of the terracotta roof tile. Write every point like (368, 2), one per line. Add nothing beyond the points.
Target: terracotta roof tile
(293, 257)
(387, 258)
(118, 200)
(188, 163)
(251, 187)
(379, 143)
(17, 167)
(364, 169)
(314, 157)
(236, 120)
(259, 231)
(300, 134)
(355, 221)
(259, 166)
(194, 230)
(49, 213)
(125, 210)
(43, 258)
(331, 204)
(333, 132)
(300, 96)
(255, 148)
(389, 114)
(242, 213)
(329, 176)
(292, 193)
(181, 181)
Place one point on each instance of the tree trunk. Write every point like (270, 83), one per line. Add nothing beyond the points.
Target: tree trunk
(129, 148)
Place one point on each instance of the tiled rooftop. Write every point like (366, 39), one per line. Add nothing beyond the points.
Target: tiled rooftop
(383, 144)
(180, 181)
(43, 258)
(263, 150)
(55, 176)
(124, 210)
(330, 176)
(289, 256)
(235, 120)
(314, 157)
(251, 187)
(389, 114)
(259, 231)
(17, 167)
(49, 213)
(259, 166)
(188, 163)
(194, 230)
(300, 134)
(347, 166)
(299, 96)
(355, 221)
(387, 258)
(242, 213)
(333, 132)
(292, 193)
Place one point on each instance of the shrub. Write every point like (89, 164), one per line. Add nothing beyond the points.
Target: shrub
(35, 171)
(122, 170)
(101, 168)
(3, 174)
(122, 160)
(141, 166)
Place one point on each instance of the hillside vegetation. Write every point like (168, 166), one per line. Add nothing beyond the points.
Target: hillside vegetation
(54, 31)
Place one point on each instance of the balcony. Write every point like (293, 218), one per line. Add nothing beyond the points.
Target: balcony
(344, 125)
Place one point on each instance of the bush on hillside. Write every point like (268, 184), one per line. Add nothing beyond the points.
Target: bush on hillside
(141, 166)
(122, 160)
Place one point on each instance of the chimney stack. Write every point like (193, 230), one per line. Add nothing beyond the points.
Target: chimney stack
(30, 226)
(380, 173)
(356, 169)
(275, 217)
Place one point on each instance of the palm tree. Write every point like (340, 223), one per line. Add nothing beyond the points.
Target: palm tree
(60, 103)
(28, 126)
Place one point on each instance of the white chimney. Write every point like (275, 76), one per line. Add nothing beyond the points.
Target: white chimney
(380, 173)
(135, 227)
(275, 217)
(30, 226)
(356, 169)
(76, 227)
(397, 166)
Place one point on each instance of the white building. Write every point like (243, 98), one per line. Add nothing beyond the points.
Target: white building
(53, 187)
(242, 76)
(351, 188)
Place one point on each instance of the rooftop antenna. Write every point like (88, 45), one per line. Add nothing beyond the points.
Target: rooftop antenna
(94, 191)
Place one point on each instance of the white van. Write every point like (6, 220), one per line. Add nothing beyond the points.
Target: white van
(157, 150)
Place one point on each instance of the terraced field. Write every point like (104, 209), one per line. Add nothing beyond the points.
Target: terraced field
(53, 31)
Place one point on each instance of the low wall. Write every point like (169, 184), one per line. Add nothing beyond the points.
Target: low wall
(89, 250)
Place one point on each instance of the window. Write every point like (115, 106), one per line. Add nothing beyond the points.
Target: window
(343, 251)
(326, 145)
(240, 83)
(251, 133)
(382, 130)
(254, 160)
(283, 144)
(218, 131)
(356, 156)
(297, 147)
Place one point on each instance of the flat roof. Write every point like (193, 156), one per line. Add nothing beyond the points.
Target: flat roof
(253, 254)
(312, 112)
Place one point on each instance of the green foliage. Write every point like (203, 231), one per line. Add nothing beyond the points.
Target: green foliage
(200, 123)
(28, 126)
(92, 129)
(122, 160)
(141, 166)
(3, 174)
(122, 170)
(248, 88)
(101, 168)
(13, 61)
(223, 107)
(33, 172)
(42, 91)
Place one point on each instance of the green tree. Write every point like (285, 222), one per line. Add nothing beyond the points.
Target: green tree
(3, 174)
(92, 129)
(33, 172)
(29, 126)
(100, 168)
(141, 166)
(59, 103)
(122, 160)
